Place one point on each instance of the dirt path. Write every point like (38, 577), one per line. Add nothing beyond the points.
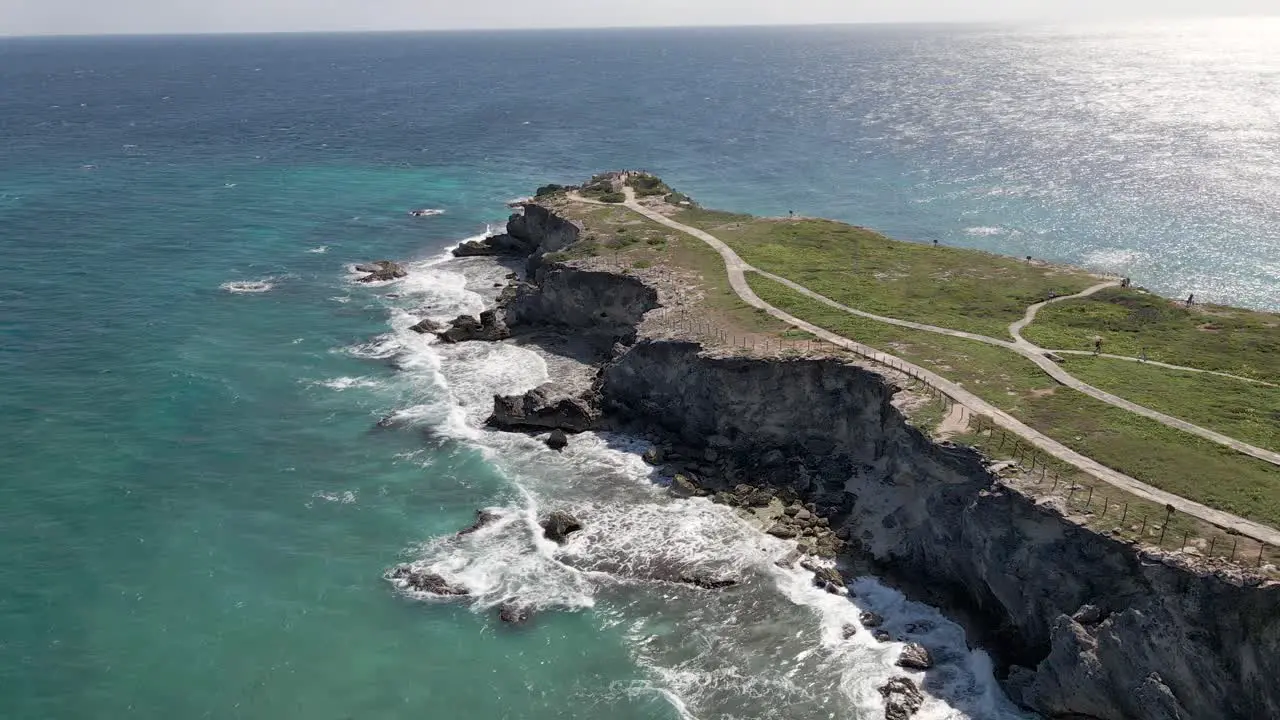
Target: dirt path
(737, 268)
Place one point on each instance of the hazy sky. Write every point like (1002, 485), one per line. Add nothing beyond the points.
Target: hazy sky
(24, 17)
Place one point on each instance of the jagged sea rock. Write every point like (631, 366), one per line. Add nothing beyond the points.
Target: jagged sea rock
(427, 327)
(707, 582)
(381, 270)
(915, 657)
(465, 327)
(513, 613)
(683, 486)
(653, 455)
(595, 303)
(901, 698)
(423, 581)
(546, 406)
(559, 525)
(829, 579)
(502, 244)
(870, 620)
(882, 636)
(848, 630)
(783, 530)
(557, 440)
(484, 518)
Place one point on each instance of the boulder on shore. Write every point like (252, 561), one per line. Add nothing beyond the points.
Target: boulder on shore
(849, 630)
(381, 270)
(901, 698)
(546, 406)
(557, 440)
(707, 582)
(915, 657)
(871, 620)
(683, 486)
(559, 525)
(466, 327)
(828, 578)
(427, 327)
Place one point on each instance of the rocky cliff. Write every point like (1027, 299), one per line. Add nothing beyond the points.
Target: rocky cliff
(1111, 633)
(591, 302)
(1088, 626)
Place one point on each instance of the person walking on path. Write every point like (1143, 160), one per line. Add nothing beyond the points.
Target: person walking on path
(1097, 345)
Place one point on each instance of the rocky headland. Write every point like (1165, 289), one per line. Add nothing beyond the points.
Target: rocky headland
(1083, 625)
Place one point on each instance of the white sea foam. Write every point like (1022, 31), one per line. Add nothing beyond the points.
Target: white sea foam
(771, 647)
(319, 250)
(1113, 259)
(984, 231)
(247, 286)
(345, 383)
(426, 212)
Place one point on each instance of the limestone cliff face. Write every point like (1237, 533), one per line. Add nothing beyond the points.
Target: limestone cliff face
(591, 302)
(1161, 641)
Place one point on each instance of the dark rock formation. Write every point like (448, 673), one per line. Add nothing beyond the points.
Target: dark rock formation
(882, 636)
(557, 440)
(828, 579)
(870, 620)
(381, 270)
(503, 245)
(901, 698)
(465, 327)
(849, 630)
(545, 407)
(513, 613)
(559, 525)
(424, 581)
(591, 302)
(483, 519)
(707, 582)
(427, 327)
(915, 657)
(683, 486)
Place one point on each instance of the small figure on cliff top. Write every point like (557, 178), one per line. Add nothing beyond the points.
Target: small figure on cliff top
(1191, 299)
(1097, 344)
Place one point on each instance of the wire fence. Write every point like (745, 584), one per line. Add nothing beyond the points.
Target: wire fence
(1103, 507)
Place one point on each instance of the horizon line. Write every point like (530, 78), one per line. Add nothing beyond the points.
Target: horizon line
(1047, 21)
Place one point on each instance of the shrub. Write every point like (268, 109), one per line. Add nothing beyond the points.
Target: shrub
(551, 189)
(613, 197)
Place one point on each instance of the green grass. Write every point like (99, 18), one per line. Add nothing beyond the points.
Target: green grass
(1232, 340)
(646, 185)
(939, 285)
(1245, 411)
(1160, 456)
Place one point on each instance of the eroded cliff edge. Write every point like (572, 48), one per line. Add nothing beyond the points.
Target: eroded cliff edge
(1088, 625)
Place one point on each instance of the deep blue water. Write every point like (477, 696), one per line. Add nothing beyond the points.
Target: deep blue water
(194, 508)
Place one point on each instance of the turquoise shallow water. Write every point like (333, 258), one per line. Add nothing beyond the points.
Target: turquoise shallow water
(196, 507)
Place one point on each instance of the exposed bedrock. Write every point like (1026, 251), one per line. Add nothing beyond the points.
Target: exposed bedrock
(594, 303)
(531, 233)
(545, 407)
(1164, 641)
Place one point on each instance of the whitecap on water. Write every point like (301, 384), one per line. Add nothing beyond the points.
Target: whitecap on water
(985, 231)
(247, 286)
(344, 383)
(319, 250)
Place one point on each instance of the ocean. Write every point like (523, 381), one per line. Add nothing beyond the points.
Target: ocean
(197, 502)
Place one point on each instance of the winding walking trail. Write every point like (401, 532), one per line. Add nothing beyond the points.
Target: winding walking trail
(737, 268)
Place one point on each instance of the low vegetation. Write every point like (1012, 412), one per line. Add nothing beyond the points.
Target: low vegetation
(1160, 456)
(647, 185)
(1132, 322)
(950, 287)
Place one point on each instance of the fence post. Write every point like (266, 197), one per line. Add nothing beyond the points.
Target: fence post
(1212, 542)
(1261, 546)
(1185, 536)
(1124, 514)
(1234, 541)
(1106, 505)
(1089, 502)
(1071, 494)
(1143, 531)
